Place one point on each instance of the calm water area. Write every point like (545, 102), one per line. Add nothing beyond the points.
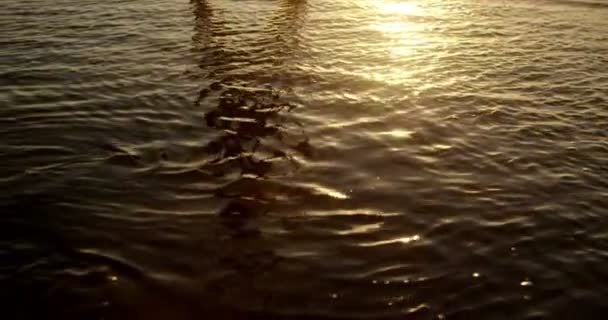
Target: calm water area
(303, 159)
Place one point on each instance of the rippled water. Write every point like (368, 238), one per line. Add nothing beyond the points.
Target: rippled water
(297, 159)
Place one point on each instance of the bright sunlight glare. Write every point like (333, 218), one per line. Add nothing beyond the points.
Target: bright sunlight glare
(402, 8)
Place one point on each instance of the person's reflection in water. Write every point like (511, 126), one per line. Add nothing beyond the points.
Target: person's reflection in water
(247, 111)
(243, 97)
(245, 119)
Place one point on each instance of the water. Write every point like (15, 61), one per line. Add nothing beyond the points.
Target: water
(303, 159)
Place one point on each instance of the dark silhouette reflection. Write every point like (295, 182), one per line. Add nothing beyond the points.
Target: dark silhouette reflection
(242, 95)
(290, 21)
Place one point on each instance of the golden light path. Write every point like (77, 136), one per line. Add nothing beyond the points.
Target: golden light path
(400, 23)
(403, 8)
(404, 33)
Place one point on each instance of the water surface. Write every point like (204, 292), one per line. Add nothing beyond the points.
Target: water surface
(297, 159)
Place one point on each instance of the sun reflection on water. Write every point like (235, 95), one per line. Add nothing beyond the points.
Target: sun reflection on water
(399, 23)
(404, 32)
(403, 8)
(396, 27)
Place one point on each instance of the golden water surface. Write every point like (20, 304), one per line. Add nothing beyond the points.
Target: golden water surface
(303, 159)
